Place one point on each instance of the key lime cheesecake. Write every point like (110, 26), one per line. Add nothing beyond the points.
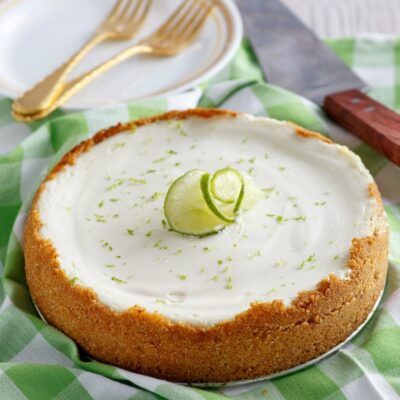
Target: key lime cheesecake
(207, 245)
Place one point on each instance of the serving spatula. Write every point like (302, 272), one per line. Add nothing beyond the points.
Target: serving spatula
(293, 57)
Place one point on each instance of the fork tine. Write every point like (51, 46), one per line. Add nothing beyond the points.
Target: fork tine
(191, 29)
(122, 16)
(174, 17)
(187, 20)
(114, 11)
(137, 18)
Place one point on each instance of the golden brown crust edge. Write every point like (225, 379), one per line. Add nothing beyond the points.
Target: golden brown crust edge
(267, 338)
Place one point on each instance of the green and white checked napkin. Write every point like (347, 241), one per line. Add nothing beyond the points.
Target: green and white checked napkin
(39, 362)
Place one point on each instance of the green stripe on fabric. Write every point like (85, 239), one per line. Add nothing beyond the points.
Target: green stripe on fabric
(286, 106)
(73, 391)
(14, 264)
(147, 108)
(371, 158)
(145, 396)
(245, 64)
(38, 145)
(60, 341)
(344, 49)
(5, 112)
(383, 54)
(10, 176)
(40, 381)
(384, 348)
(67, 130)
(393, 379)
(8, 389)
(394, 221)
(33, 126)
(342, 368)
(310, 383)
(397, 74)
(19, 295)
(7, 218)
(16, 332)
(177, 392)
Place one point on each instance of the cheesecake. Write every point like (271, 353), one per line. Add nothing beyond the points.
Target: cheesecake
(290, 279)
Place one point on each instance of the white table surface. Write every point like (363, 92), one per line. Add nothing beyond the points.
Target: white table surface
(337, 18)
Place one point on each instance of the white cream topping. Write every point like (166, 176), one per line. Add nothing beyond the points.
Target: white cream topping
(104, 216)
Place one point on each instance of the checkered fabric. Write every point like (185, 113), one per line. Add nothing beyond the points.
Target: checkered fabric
(39, 362)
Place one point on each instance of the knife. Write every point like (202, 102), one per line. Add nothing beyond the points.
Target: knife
(293, 57)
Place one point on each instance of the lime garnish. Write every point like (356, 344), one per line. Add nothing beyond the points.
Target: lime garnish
(185, 209)
(226, 185)
(200, 204)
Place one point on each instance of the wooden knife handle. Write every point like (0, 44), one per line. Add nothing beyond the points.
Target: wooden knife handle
(371, 121)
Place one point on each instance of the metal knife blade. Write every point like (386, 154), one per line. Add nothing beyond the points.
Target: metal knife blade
(291, 55)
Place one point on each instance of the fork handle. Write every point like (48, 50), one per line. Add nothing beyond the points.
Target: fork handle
(40, 96)
(68, 89)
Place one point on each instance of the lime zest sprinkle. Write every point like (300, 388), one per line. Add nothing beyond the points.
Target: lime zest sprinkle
(206, 249)
(180, 128)
(228, 286)
(320, 203)
(281, 168)
(202, 269)
(110, 265)
(255, 254)
(178, 252)
(311, 258)
(172, 152)
(160, 301)
(182, 277)
(115, 279)
(215, 278)
(100, 204)
(130, 232)
(268, 190)
(117, 183)
(155, 196)
(106, 245)
(114, 199)
(100, 218)
(220, 262)
(300, 218)
(336, 257)
(280, 220)
(135, 181)
(73, 280)
(244, 140)
(119, 145)
(159, 160)
(149, 233)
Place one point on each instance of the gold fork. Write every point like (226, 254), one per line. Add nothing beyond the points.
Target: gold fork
(171, 38)
(123, 22)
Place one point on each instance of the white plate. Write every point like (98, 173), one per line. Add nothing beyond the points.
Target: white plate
(36, 36)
